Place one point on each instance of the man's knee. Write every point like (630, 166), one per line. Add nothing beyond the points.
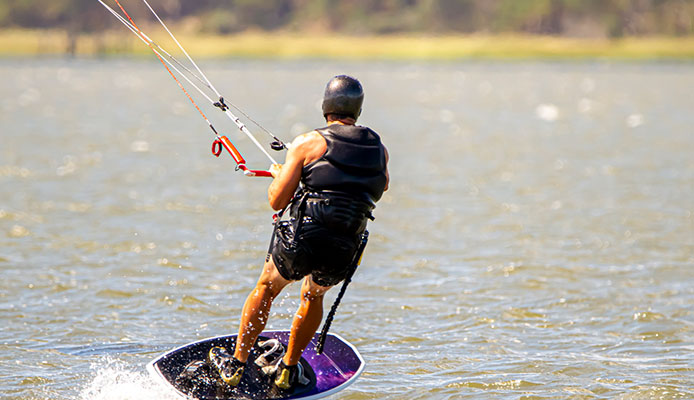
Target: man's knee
(266, 289)
(310, 291)
(310, 297)
(271, 282)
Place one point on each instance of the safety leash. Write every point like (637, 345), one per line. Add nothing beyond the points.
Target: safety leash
(348, 279)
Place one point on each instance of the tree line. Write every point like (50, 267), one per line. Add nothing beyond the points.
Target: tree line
(576, 18)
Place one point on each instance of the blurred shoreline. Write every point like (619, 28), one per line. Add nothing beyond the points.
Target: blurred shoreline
(27, 43)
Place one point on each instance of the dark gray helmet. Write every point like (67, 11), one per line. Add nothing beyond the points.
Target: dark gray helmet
(343, 96)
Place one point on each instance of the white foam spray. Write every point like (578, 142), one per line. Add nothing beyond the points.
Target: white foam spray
(116, 380)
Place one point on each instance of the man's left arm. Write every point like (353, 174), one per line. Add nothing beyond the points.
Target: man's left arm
(286, 180)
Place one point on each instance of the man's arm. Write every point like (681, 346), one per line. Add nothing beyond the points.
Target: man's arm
(304, 150)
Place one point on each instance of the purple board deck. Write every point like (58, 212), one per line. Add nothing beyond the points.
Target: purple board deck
(337, 367)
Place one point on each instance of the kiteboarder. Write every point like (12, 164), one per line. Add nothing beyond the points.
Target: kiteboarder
(342, 169)
(330, 181)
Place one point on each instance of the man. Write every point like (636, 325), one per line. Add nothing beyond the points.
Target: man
(342, 169)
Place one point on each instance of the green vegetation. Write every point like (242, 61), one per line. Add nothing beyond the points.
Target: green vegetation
(383, 47)
(594, 18)
(391, 29)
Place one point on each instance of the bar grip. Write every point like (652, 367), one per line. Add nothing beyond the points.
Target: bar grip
(232, 150)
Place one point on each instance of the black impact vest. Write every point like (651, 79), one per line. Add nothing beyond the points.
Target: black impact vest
(354, 163)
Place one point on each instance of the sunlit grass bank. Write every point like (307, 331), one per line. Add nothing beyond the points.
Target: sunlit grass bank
(276, 45)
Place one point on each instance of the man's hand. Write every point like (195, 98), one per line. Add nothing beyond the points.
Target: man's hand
(275, 170)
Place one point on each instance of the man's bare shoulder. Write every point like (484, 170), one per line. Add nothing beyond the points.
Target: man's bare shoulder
(308, 139)
(311, 145)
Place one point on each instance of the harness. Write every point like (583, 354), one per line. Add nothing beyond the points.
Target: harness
(337, 212)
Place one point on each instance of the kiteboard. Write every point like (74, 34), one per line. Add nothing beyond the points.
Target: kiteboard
(186, 373)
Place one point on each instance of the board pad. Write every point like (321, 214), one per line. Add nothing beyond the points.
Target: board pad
(335, 369)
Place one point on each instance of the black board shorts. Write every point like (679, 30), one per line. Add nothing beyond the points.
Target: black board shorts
(322, 253)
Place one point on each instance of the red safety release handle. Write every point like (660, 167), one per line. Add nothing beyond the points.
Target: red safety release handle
(223, 141)
(217, 148)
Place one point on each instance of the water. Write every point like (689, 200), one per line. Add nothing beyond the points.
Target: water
(537, 241)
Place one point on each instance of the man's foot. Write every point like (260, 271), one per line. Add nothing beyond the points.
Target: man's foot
(230, 369)
(288, 376)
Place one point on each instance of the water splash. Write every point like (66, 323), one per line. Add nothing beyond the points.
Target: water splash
(116, 380)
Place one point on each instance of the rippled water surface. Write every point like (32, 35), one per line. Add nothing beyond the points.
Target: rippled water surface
(537, 241)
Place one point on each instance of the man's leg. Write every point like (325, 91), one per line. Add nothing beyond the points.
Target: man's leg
(306, 320)
(256, 310)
